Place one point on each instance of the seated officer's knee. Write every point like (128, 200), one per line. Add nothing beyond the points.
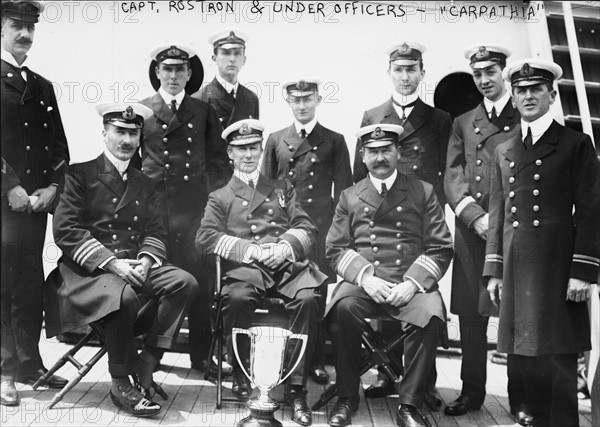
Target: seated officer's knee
(130, 302)
(240, 297)
(345, 312)
(189, 283)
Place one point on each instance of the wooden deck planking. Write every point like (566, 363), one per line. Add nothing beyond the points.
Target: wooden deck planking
(192, 400)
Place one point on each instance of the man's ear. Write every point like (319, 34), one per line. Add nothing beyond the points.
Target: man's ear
(362, 155)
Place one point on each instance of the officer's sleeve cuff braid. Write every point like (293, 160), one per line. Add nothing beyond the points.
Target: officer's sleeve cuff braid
(585, 267)
(157, 261)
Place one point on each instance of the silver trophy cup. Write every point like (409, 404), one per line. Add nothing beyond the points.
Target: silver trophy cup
(267, 351)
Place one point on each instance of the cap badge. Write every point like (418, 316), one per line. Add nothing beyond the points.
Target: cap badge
(231, 36)
(405, 48)
(377, 133)
(302, 85)
(526, 70)
(482, 52)
(173, 51)
(128, 114)
(244, 130)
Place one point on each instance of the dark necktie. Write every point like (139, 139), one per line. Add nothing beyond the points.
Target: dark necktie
(404, 107)
(493, 116)
(174, 106)
(528, 141)
(383, 189)
(303, 134)
(251, 184)
(232, 93)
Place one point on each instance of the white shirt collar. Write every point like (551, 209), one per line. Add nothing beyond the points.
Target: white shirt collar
(246, 177)
(228, 86)
(389, 181)
(405, 99)
(167, 97)
(538, 127)
(308, 127)
(6, 56)
(499, 104)
(121, 165)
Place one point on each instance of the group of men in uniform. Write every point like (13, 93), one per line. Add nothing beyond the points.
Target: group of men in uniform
(127, 220)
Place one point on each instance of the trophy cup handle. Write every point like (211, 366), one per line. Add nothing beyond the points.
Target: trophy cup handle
(304, 339)
(234, 333)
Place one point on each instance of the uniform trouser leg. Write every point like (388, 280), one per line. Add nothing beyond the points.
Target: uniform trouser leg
(516, 387)
(22, 280)
(172, 288)
(199, 325)
(318, 354)
(473, 344)
(305, 312)
(419, 360)
(551, 388)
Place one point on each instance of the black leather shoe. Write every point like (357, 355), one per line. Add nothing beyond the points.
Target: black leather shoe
(8, 393)
(382, 387)
(301, 414)
(131, 400)
(432, 399)
(319, 374)
(522, 414)
(241, 388)
(341, 414)
(30, 378)
(409, 416)
(461, 406)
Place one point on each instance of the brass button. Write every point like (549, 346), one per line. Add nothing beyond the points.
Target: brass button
(26, 124)
(166, 153)
(511, 194)
(165, 140)
(511, 165)
(135, 218)
(477, 178)
(132, 238)
(398, 235)
(399, 209)
(479, 162)
(189, 139)
(292, 160)
(536, 177)
(479, 146)
(511, 179)
(536, 208)
(536, 223)
(276, 233)
(41, 102)
(187, 165)
(253, 227)
(373, 237)
(538, 162)
(44, 172)
(28, 148)
(114, 200)
(270, 211)
(416, 148)
(257, 237)
(536, 192)
(250, 216)
(291, 173)
(110, 226)
(399, 247)
(273, 223)
(315, 148)
(371, 223)
(47, 148)
(398, 262)
(506, 128)
(478, 196)
(366, 210)
(415, 168)
(190, 125)
(310, 187)
(309, 201)
(267, 200)
(186, 178)
(375, 249)
(167, 166)
(477, 131)
(114, 237)
(312, 173)
(28, 171)
(515, 224)
(513, 209)
(137, 202)
(398, 224)
(244, 203)
(164, 126)
(313, 160)
(9, 74)
(188, 152)
(129, 229)
(376, 263)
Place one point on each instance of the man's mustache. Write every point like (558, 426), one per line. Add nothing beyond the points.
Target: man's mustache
(381, 163)
(24, 40)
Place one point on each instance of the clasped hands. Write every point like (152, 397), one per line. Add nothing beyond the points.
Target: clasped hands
(20, 201)
(271, 255)
(132, 271)
(382, 291)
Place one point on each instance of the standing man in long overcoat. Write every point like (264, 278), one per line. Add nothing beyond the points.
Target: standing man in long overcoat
(475, 135)
(34, 157)
(182, 151)
(543, 247)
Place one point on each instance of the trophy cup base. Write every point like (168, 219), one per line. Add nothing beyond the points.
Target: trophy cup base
(259, 419)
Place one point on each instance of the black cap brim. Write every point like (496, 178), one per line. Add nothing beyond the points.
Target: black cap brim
(196, 79)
